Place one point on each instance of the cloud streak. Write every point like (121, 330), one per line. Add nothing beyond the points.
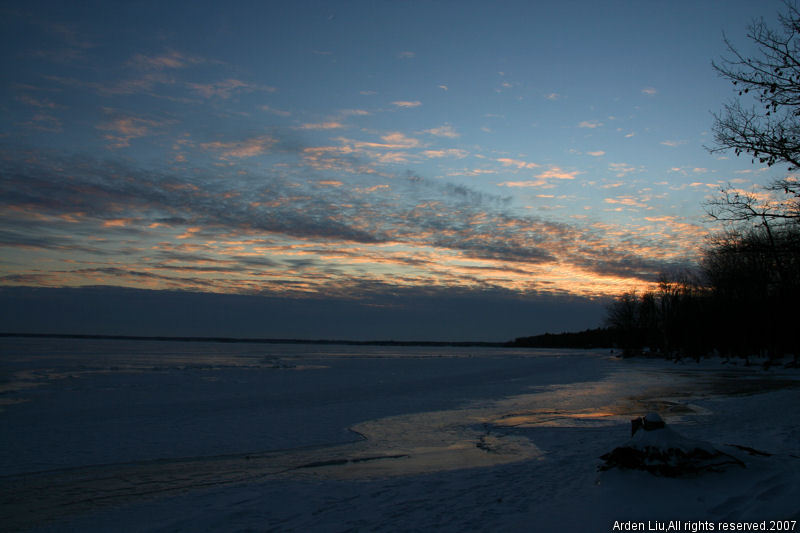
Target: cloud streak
(265, 232)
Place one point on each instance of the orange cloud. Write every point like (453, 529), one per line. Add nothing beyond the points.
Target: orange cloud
(117, 223)
(406, 103)
(557, 173)
(399, 140)
(125, 128)
(450, 152)
(621, 169)
(444, 131)
(242, 149)
(529, 183)
(507, 162)
(322, 126)
(628, 201)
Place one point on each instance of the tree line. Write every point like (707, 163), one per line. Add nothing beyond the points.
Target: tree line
(742, 298)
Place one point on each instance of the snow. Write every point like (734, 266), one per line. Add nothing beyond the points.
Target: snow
(167, 437)
(660, 450)
(665, 438)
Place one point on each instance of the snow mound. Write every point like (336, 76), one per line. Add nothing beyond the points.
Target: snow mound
(662, 451)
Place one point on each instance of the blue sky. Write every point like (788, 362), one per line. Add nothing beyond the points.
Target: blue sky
(363, 150)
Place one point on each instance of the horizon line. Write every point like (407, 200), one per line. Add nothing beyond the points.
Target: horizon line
(255, 340)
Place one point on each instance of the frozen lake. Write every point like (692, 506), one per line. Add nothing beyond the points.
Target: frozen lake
(194, 435)
(85, 402)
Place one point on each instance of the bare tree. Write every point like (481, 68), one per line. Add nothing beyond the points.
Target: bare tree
(769, 129)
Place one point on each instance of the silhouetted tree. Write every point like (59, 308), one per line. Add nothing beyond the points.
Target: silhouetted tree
(765, 208)
(623, 318)
(769, 128)
(667, 321)
(755, 280)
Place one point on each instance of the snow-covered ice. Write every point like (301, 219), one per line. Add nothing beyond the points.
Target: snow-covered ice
(141, 436)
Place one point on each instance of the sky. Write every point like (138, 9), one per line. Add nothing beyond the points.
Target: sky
(355, 169)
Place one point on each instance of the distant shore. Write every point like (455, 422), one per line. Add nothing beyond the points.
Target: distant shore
(257, 340)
